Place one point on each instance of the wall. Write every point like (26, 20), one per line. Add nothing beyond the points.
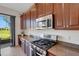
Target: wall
(71, 36)
(17, 20)
(17, 27)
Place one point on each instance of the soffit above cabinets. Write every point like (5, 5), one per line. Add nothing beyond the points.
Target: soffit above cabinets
(20, 7)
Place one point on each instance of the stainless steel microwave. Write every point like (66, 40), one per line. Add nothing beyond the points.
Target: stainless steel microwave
(44, 22)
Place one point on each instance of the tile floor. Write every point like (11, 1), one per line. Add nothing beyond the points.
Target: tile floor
(12, 51)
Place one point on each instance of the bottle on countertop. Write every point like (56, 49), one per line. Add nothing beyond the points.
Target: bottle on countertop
(22, 34)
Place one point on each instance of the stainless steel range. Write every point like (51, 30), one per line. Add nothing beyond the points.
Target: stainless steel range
(40, 47)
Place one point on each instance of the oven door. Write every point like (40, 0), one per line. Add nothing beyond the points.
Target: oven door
(36, 52)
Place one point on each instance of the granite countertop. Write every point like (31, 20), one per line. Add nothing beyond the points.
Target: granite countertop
(61, 50)
(28, 38)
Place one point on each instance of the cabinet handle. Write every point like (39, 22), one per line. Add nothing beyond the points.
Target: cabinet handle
(64, 25)
(67, 26)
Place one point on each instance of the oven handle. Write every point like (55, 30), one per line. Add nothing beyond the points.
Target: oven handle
(39, 54)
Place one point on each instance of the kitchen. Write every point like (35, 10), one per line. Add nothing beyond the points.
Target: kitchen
(63, 22)
(49, 29)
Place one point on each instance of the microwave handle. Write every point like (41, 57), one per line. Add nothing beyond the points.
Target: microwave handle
(53, 16)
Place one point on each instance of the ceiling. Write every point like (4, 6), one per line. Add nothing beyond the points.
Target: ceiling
(20, 7)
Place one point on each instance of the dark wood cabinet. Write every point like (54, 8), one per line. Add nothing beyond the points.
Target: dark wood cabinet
(41, 8)
(66, 16)
(44, 9)
(66, 12)
(36, 11)
(33, 16)
(28, 20)
(73, 22)
(49, 8)
(33, 12)
(22, 21)
(50, 54)
(59, 16)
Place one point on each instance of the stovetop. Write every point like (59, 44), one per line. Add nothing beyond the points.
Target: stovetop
(44, 44)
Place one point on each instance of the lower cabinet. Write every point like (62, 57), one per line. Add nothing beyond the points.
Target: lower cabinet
(22, 44)
(28, 48)
(50, 54)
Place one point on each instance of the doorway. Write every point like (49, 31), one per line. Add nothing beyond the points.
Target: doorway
(7, 30)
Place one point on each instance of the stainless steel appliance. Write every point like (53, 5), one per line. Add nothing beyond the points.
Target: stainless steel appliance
(44, 22)
(28, 48)
(40, 47)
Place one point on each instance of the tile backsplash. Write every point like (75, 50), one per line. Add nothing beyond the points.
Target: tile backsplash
(70, 36)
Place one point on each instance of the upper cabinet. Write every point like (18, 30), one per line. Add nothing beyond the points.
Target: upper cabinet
(36, 11)
(65, 15)
(22, 21)
(49, 8)
(41, 8)
(73, 22)
(33, 12)
(44, 9)
(33, 16)
(28, 19)
(59, 16)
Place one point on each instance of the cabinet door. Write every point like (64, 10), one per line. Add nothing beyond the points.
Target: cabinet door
(21, 21)
(66, 14)
(24, 21)
(59, 16)
(28, 48)
(28, 20)
(73, 22)
(33, 16)
(44, 8)
(49, 8)
(41, 8)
